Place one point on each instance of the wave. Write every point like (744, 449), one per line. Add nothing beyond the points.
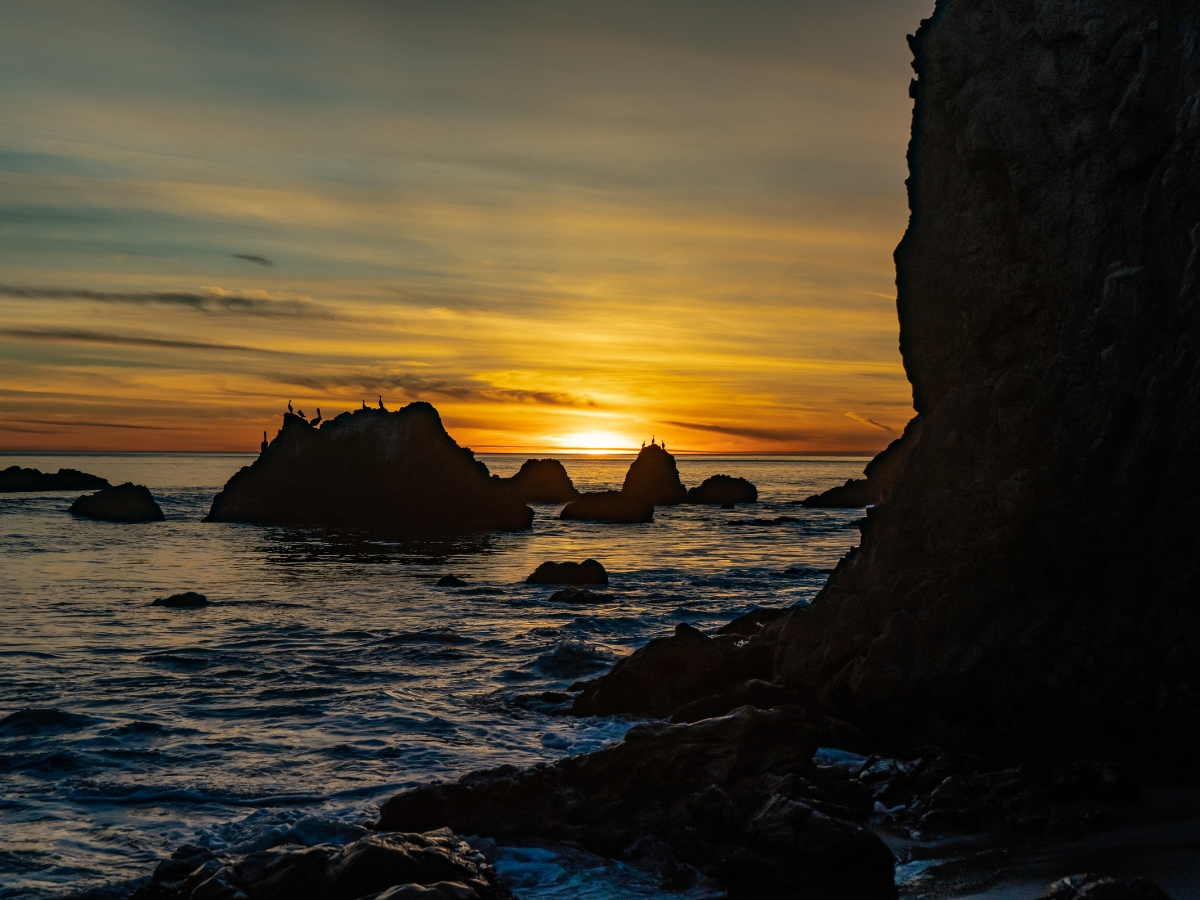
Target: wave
(39, 721)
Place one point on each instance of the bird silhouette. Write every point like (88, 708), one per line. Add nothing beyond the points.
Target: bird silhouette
(317, 420)
(381, 406)
(263, 449)
(289, 406)
(364, 404)
(301, 415)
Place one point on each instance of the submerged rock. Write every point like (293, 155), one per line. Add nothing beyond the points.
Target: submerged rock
(432, 866)
(394, 472)
(186, 600)
(126, 502)
(14, 479)
(724, 490)
(542, 481)
(451, 581)
(609, 506)
(653, 477)
(587, 572)
(580, 595)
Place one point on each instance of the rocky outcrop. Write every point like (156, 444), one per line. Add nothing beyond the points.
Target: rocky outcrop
(609, 506)
(735, 798)
(126, 502)
(882, 472)
(723, 489)
(589, 571)
(14, 479)
(1032, 575)
(433, 866)
(393, 472)
(542, 481)
(654, 477)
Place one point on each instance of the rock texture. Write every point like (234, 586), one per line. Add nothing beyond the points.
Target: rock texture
(1033, 574)
(542, 481)
(1098, 887)
(14, 479)
(654, 477)
(881, 472)
(433, 866)
(394, 472)
(126, 502)
(723, 489)
(609, 506)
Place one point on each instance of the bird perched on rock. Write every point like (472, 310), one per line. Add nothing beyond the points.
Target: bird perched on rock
(365, 404)
(289, 406)
(381, 406)
(317, 421)
(263, 448)
(302, 415)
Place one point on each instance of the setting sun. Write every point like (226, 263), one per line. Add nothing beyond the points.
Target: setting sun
(593, 442)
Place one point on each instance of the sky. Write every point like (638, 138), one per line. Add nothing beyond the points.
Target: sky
(568, 225)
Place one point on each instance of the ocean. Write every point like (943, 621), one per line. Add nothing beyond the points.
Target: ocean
(330, 671)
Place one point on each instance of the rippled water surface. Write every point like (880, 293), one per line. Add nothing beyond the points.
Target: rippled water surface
(330, 670)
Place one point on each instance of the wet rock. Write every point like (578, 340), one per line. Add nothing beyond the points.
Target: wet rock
(728, 796)
(392, 472)
(724, 490)
(543, 481)
(653, 477)
(754, 692)
(450, 581)
(186, 600)
(126, 502)
(609, 506)
(14, 479)
(587, 572)
(753, 622)
(1098, 887)
(432, 866)
(580, 595)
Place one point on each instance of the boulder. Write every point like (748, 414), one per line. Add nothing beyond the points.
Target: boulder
(542, 481)
(730, 797)
(609, 506)
(432, 866)
(186, 600)
(451, 581)
(724, 490)
(126, 502)
(654, 477)
(392, 472)
(587, 572)
(14, 479)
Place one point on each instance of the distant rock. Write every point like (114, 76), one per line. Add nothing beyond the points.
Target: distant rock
(14, 479)
(186, 600)
(609, 506)
(587, 572)
(580, 595)
(432, 866)
(543, 481)
(654, 477)
(725, 490)
(451, 581)
(126, 502)
(393, 472)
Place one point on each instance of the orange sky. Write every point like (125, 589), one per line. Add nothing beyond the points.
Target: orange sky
(566, 226)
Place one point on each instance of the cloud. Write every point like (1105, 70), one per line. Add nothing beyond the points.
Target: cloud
(416, 387)
(85, 424)
(250, 257)
(762, 434)
(865, 421)
(79, 336)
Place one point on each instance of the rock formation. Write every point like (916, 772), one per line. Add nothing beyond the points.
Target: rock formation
(126, 502)
(654, 477)
(723, 489)
(589, 571)
(393, 472)
(881, 473)
(542, 481)
(609, 506)
(14, 479)
(186, 600)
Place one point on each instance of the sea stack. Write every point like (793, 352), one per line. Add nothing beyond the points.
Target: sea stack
(543, 481)
(393, 472)
(126, 502)
(654, 477)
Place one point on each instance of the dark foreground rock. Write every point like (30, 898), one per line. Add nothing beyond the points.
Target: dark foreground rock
(1099, 887)
(432, 866)
(609, 506)
(881, 472)
(731, 797)
(14, 479)
(126, 502)
(186, 600)
(723, 490)
(393, 472)
(589, 571)
(542, 481)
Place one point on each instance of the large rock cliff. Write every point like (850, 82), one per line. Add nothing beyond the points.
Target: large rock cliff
(1034, 575)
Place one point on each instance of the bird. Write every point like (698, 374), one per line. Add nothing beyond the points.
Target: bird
(301, 415)
(289, 406)
(263, 449)
(381, 406)
(317, 420)
(364, 404)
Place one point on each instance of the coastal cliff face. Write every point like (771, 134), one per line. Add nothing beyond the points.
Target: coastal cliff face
(1034, 574)
(395, 472)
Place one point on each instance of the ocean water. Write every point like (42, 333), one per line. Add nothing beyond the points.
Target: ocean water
(330, 671)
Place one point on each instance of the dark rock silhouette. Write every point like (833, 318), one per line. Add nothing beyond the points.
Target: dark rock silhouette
(654, 477)
(433, 866)
(543, 481)
(587, 572)
(1099, 887)
(881, 472)
(450, 581)
(126, 502)
(186, 600)
(609, 506)
(734, 797)
(397, 472)
(580, 595)
(725, 490)
(14, 479)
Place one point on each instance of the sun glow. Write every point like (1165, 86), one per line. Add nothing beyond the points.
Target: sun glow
(593, 442)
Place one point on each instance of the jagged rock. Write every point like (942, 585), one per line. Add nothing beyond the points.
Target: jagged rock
(752, 623)
(580, 595)
(186, 600)
(126, 502)
(669, 672)
(609, 506)
(395, 472)
(432, 866)
(14, 479)
(730, 796)
(654, 477)
(589, 571)
(1098, 887)
(542, 481)
(882, 472)
(724, 490)
(451, 581)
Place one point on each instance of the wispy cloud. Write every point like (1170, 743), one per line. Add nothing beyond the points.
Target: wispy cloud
(251, 258)
(865, 421)
(416, 387)
(79, 336)
(761, 434)
(77, 423)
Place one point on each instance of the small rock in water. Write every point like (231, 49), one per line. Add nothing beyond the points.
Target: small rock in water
(725, 490)
(580, 595)
(186, 600)
(587, 572)
(126, 502)
(450, 581)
